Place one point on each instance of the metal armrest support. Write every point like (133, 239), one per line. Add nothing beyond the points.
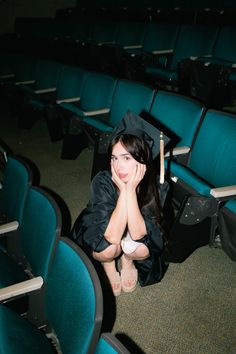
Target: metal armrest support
(222, 192)
(179, 150)
(24, 287)
(68, 100)
(10, 226)
(96, 112)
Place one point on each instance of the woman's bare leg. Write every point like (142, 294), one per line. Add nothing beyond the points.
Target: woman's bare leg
(107, 258)
(128, 271)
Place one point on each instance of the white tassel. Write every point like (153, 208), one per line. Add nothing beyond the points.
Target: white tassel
(162, 165)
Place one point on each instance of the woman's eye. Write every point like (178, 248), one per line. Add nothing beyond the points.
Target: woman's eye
(127, 158)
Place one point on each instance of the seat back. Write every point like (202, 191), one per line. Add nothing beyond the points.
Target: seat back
(193, 40)
(39, 231)
(130, 95)
(70, 82)
(74, 301)
(225, 45)
(104, 31)
(80, 30)
(213, 156)
(160, 36)
(47, 74)
(181, 114)
(97, 91)
(109, 344)
(130, 33)
(17, 179)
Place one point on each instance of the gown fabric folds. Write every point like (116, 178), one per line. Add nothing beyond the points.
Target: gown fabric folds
(89, 228)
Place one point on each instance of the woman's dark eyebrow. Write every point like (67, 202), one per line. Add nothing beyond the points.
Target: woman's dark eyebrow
(127, 153)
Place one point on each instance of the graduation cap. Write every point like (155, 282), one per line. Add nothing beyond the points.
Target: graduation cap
(147, 129)
(144, 128)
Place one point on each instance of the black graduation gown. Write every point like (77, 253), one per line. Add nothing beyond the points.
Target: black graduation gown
(89, 228)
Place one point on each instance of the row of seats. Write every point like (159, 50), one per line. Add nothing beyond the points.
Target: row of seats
(36, 263)
(95, 103)
(154, 52)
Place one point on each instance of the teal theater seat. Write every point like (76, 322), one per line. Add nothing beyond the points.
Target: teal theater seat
(224, 52)
(159, 40)
(38, 236)
(192, 41)
(130, 36)
(211, 171)
(126, 95)
(96, 95)
(129, 95)
(17, 179)
(182, 115)
(68, 90)
(31, 94)
(73, 306)
(95, 101)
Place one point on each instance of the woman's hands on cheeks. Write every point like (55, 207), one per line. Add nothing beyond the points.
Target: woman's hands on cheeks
(136, 177)
(116, 179)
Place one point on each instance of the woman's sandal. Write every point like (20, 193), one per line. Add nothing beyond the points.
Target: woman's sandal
(129, 275)
(115, 280)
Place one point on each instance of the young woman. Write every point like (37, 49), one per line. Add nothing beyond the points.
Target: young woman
(123, 217)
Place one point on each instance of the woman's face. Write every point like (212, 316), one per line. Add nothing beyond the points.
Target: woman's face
(123, 162)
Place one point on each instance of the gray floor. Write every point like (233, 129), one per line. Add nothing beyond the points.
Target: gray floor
(192, 310)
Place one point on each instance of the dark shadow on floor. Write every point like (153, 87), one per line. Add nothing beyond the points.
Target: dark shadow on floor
(129, 343)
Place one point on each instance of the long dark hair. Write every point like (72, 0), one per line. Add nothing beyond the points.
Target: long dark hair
(148, 195)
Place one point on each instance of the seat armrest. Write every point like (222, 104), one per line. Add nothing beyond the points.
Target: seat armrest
(47, 90)
(105, 43)
(28, 82)
(193, 58)
(234, 65)
(8, 227)
(222, 192)
(68, 100)
(202, 56)
(24, 287)
(96, 112)
(179, 150)
(7, 76)
(137, 46)
(162, 52)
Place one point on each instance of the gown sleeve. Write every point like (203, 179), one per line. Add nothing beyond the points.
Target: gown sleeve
(89, 228)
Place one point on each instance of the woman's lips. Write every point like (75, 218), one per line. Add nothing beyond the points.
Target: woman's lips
(123, 175)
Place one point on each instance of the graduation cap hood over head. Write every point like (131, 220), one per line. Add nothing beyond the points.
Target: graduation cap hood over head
(133, 124)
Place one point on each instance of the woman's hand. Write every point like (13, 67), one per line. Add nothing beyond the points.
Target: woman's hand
(116, 179)
(136, 177)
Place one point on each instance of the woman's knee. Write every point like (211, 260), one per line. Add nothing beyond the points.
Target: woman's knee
(110, 253)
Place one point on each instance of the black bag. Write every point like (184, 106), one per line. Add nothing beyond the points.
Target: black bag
(193, 227)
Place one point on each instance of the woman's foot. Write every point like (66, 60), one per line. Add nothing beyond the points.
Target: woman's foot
(113, 277)
(129, 275)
